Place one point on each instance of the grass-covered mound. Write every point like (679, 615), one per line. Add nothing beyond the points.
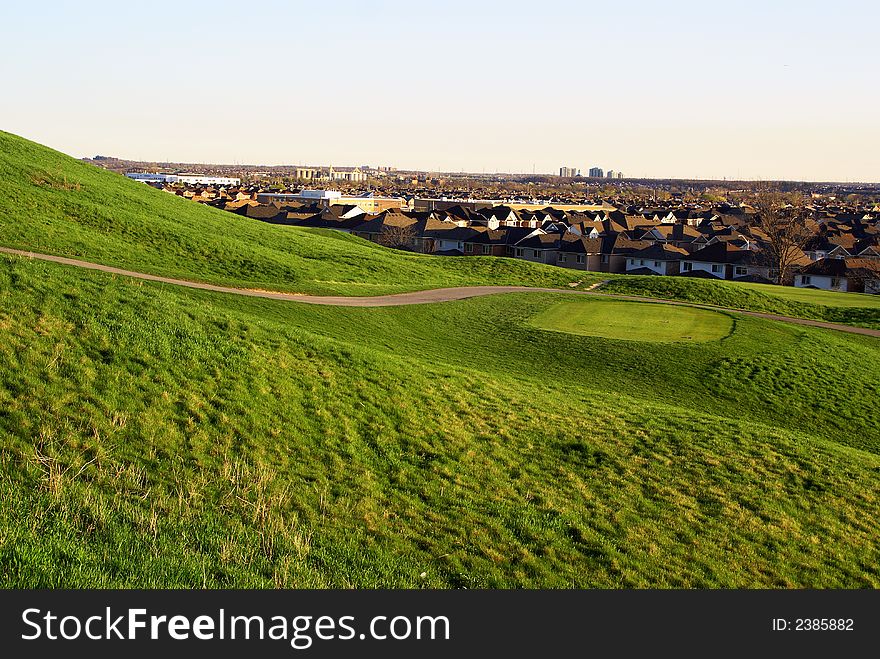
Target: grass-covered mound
(55, 204)
(846, 308)
(156, 436)
(634, 321)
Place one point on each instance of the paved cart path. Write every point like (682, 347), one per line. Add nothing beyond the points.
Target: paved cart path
(417, 297)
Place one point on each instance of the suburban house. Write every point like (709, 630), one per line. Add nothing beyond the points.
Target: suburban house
(497, 216)
(581, 253)
(443, 237)
(869, 251)
(679, 235)
(532, 219)
(345, 211)
(539, 248)
(852, 274)
(372, 228)
(587, 229)
(723, 260)
(831, 247)
(658, 259)
(491, 242)
(616, 248)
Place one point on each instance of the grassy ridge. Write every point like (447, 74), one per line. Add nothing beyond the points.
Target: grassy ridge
(846, 308)
(52, 203)
(153, 436)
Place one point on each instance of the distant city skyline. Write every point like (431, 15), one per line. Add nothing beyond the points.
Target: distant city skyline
(765, 90)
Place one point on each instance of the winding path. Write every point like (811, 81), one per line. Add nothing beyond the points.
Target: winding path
(417, 297)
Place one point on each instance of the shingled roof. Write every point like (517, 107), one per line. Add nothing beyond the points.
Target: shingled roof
(574, 244)
(660, 252)
(851, 267)
(540, 241)
(722, 252)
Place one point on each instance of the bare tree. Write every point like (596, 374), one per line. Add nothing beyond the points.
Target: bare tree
(399, 237)
(864, 274)
(783, 220)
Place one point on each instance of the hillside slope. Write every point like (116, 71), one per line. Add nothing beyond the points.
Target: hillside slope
(156, 436)
(55, 204)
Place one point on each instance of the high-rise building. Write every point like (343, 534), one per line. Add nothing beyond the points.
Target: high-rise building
(569, 172)
(596, 172)
(610, 174)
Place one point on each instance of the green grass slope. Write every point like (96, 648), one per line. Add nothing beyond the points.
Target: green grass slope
(157, 436)
(55, 204)
(846, 308)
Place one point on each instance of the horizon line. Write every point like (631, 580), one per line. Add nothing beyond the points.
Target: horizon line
(724, 179)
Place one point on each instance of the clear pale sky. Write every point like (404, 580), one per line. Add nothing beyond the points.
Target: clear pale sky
(773, 89)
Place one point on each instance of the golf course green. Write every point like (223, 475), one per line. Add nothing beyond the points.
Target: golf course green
(634, 321)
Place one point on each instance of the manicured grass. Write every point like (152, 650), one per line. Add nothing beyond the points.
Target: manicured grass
(634, 321)
(54, 204)
(157, 436)
(847, 308)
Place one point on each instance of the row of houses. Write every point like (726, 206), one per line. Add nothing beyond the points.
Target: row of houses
(721, 243)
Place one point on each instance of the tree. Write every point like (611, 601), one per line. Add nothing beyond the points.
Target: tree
(783, 220)
(399, 237)
(864, 274)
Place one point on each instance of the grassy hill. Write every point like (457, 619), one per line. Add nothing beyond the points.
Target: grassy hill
(157, 436)
(52, 203)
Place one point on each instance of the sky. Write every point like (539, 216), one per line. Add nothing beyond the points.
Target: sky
(754, 90)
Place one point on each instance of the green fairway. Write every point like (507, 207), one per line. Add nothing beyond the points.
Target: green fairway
(846, 308)
(634, 321)
(54, 204)
(157, 436)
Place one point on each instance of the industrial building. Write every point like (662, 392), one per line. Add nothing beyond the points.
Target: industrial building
(326, 198)
(354, 174)
(347, 175)
(152, 178)
(198, 179)
(322, 197)
(188, 179)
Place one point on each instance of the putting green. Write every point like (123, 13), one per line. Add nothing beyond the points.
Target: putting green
(634, 321)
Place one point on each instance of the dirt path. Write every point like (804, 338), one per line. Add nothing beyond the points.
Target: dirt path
(418, 297)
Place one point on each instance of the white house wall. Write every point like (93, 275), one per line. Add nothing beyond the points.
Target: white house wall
(657, 266)
(821, 281)
(707, 267)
